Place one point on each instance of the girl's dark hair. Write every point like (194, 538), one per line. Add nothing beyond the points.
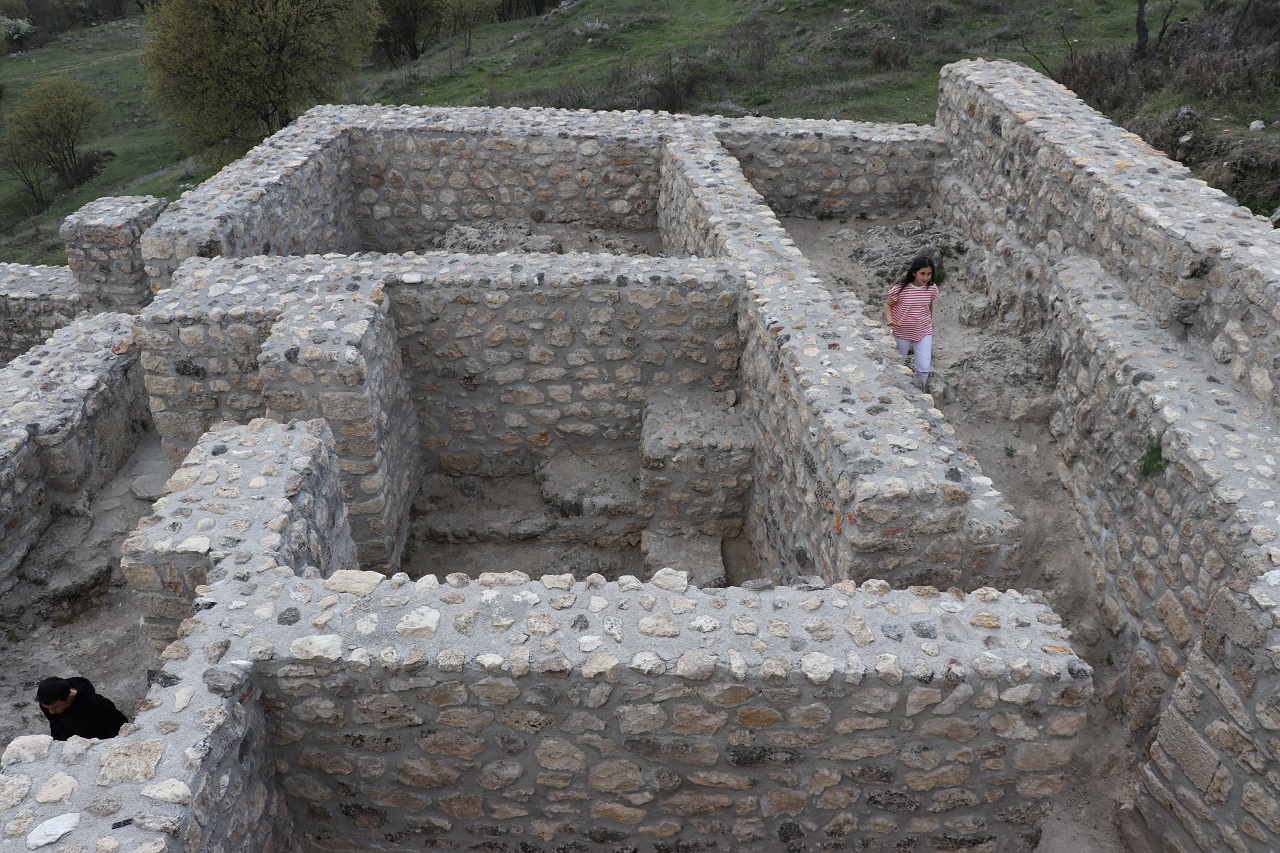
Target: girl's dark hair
(52, 690)
(920, 262)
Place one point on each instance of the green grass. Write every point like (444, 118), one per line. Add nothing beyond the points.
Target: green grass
(865, 60)
(871, 61)
(144, 158)
(1152, 459)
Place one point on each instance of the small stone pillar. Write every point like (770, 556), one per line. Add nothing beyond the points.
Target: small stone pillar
(104, 250)
(247, 499)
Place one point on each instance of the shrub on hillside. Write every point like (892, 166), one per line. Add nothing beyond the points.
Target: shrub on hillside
(1226, 60)
(228, 73)
(43, 133)
(15, 31)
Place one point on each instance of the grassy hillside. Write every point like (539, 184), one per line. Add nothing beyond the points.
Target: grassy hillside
(874, 60)
(143, 157)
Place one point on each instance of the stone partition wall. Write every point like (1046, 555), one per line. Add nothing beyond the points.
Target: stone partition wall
(811, 168)
(34, 303)
(1187, 551)
(856, 476)
(1172, 470)
(247, 498)
(283, 338)
(1038, 175)
(516, 360)
(1210, 783)
(559, 712)
(71, 413)
(349, 178)
(104, 250)
(290, 195)
(417, 172)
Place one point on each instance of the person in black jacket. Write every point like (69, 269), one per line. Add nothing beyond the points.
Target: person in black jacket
(73, 707)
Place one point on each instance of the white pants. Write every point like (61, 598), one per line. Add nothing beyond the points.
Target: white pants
(923, 349)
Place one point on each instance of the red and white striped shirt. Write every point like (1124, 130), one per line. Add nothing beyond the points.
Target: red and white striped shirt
(912, 311)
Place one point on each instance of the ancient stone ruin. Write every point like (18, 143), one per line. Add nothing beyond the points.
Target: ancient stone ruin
(322, 376)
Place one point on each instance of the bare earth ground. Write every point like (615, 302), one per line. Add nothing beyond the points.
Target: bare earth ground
(99, 637)
(974, 375)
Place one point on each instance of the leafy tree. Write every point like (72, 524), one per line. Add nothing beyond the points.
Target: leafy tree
(407, 24)
(463, 16)
(25, 165)
(229, 72)
(510, 10)
(48, 124)
(16, 30)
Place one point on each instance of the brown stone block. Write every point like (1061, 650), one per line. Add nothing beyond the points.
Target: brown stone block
(453, 744)
(615, 777)
(693, 719)
(463, 806)
(427, 773)
(675, 750)
(618, 812)
(471, 720)
(947, 776)
(759, 717)
(951, 729)
(780, 801)
(689, 803)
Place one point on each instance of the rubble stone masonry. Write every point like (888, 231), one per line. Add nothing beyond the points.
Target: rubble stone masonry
(34, 303)
(1158, 292)
(309, 705)
(71, 413)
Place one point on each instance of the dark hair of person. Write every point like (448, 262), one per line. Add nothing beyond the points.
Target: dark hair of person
(920, 262)
(52, 690)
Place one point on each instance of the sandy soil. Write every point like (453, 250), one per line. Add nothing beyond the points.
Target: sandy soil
(983, 384)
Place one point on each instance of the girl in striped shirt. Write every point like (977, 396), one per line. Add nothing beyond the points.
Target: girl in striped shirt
(909, 313)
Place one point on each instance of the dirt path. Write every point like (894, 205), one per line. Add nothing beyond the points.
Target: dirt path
(998, 402)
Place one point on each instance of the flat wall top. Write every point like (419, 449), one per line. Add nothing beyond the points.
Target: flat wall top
(1142, 178)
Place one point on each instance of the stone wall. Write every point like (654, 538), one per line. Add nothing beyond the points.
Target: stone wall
(104, 251)
(856, 476)
(417, 172)
(561, 711)
(544, 714)
(237, 340)
(1209, 784)
(1176, 499)
(1155, 289)
(516, 362)
(1039, 175)
(245, 499)
(71, 413)
(842, 168)
(35, 301)
(291, 195)
(697, 460)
